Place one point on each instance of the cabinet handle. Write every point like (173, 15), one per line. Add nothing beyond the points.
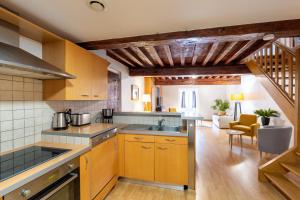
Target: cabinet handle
(85, 95)
(86, 162)
(144, 147)
(170, 140)
(138, 138)
(96, 96)
(162, 148)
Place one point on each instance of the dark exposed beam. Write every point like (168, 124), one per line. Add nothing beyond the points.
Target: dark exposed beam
(169, 55)
(153, 53)
(210, 53)
(131, 57)
(119, 58)
(256, 31)
(182, 55)
(197, 51)
(234, 80)
(240, 51)
(179, 70)
(225, 52)
(142, 56)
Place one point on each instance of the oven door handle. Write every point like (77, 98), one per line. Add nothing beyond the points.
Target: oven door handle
(52, 192)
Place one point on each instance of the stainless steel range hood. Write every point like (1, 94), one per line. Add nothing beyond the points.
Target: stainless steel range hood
(16, 61)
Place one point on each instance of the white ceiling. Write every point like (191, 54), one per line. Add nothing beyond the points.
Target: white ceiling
(74, 20)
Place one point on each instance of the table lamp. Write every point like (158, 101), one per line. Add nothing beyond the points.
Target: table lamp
(237, 104)
(146, 99)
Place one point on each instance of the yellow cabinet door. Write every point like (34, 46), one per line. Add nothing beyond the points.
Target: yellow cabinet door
(139, 160)
(99, 79)
(85, 174)
(171, 163)
(103, 165)
(79, 62)
(121, 154)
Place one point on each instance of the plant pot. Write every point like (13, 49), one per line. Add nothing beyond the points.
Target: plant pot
(221, 113)
(265, 121)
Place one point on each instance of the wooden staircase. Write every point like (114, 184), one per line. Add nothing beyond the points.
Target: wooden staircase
(277, 67)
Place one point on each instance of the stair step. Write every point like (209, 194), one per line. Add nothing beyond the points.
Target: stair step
(292, 167)
(286, 187)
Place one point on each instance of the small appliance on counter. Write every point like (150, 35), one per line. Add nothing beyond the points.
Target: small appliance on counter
(61, 120)
(107, 115)
(80, 119)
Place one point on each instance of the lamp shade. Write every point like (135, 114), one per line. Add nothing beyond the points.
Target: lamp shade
(237, 97)
(146, 98)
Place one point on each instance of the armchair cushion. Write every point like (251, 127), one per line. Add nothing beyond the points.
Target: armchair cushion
(247, 120)
(233, 123)
(243, 128)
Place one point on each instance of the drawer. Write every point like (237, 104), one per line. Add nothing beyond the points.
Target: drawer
(171, 140)
(139, 138)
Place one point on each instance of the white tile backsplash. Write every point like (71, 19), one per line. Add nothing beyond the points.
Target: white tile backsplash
(24, 114)
(21, 117)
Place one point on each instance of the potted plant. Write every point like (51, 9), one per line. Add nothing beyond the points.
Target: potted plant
(221, 106)
(265, 115)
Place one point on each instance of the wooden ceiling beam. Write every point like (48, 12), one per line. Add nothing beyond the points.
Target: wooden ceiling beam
(182, 56)
(119, 58)
(240, 51)
(197, 51)
(225, 52)
(236, 80)
(153, 53)
(286, 28)
(211, 52)
(142, 56)
(131, 57)
(190, 71)
(169, 54)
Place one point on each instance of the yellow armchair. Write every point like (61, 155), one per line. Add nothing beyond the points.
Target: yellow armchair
(247, 123)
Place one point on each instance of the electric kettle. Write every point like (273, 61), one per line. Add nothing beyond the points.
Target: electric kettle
(61, 120)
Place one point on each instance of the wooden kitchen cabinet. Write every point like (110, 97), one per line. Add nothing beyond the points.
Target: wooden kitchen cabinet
(121, 155)
(98, 170)
(90, 71)
(171, 163)
(139, 160)
(161, 159)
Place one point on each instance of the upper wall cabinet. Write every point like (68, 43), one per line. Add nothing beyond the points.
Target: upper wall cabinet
(90, 70)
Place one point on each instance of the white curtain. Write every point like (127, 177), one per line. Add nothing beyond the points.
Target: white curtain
(188, 99)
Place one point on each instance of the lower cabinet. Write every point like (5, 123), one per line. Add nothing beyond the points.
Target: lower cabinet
(98, 168)
(139, 160)
(171, 164)
(154, 158)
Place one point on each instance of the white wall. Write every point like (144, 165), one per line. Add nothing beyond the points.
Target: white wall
(126, 81)
(207, 94)
(256, 96)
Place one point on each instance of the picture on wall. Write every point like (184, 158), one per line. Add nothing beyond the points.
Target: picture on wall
(134, 92)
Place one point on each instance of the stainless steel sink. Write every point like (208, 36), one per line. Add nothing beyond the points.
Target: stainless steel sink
(152, 128)
(164, 128)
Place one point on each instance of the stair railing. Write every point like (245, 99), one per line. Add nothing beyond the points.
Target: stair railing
(278, 62)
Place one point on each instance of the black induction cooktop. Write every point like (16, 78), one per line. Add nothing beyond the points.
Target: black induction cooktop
(18, 161)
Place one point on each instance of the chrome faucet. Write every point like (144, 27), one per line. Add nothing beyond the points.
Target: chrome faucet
(160, 122)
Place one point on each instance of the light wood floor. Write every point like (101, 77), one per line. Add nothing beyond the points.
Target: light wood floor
(221, 174)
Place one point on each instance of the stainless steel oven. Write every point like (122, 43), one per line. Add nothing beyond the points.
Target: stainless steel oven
(59, 184)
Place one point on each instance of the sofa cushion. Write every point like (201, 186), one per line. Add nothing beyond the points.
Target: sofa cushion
(246, 129)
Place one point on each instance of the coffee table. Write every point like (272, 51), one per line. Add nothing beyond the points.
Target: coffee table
(231, 133)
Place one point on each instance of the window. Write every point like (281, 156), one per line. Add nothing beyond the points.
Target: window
(188, 99)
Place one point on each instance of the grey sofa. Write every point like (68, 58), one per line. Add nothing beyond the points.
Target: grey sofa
(274, 139)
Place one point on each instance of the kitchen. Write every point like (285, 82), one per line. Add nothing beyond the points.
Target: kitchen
(107, 99)
(48, 152)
